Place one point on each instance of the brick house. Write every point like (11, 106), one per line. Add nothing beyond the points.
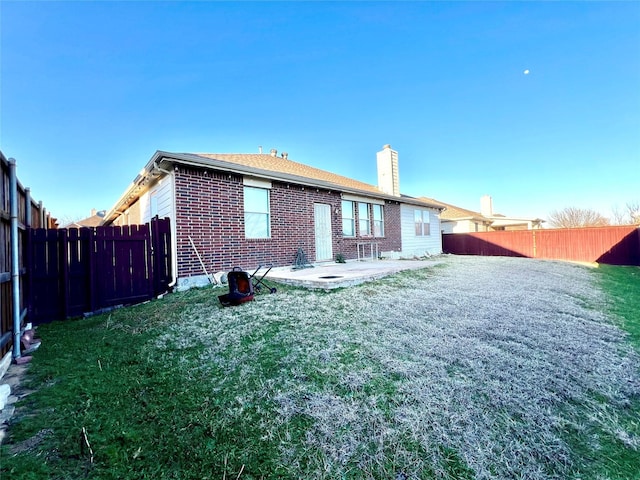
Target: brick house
(258, 209)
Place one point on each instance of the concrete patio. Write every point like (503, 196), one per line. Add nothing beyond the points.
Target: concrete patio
(332, 275)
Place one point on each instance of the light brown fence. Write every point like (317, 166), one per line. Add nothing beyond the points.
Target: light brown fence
(616, 245)
(29, 214)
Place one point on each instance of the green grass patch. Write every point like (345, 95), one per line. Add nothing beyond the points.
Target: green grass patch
(622, 286)
(613, 453)
(143, 418)
(352, 383)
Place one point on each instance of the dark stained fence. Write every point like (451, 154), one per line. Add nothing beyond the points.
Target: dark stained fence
(74, 271)
(161, 255)
(29, 214)
(616, 245)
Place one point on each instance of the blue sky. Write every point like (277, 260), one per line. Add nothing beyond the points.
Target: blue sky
(90, 90)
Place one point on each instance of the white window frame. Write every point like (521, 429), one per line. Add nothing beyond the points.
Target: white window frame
(348, 215)
(364, 221)
(422, 223)
(378, 223)
(250, 211)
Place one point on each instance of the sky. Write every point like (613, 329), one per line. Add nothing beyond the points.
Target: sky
(534, 103)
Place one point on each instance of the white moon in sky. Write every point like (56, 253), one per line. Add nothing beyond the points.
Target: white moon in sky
(526, 72)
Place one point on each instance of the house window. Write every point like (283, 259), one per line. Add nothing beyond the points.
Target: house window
(364, 224)
(257, 222)
(348, 219)
(378, 221)
(422, 225)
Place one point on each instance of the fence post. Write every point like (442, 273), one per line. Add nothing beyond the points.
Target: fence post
(63, 280)
(27, 207)
(15, 267)
(534, 243)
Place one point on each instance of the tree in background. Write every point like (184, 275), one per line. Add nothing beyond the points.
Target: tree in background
(572, 217)
(630, 215)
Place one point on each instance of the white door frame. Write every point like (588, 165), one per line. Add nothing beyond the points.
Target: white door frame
(323, 232)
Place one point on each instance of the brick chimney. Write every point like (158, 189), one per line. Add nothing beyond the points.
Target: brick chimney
(388, 178)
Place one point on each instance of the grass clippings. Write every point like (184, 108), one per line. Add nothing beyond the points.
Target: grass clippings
(477, 368)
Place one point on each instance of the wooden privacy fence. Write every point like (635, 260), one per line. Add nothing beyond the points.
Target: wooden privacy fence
(73, 271)
(18, 212)
(615, 245)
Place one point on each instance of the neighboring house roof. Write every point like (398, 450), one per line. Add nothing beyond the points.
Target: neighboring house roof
(92, 221)
(453, 213)
(262, 165)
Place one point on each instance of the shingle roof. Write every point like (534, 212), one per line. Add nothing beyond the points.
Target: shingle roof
(454, 213)
(92, 221)
(277, 164)
(254, 164)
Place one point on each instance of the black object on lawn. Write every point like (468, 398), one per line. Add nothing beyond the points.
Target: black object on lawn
(240, 288)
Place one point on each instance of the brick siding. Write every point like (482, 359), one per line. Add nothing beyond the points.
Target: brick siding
(209, 209)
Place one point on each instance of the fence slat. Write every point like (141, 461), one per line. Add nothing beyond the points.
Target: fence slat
(614, 245)
(75, 271)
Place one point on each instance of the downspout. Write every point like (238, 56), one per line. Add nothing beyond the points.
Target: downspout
(158, 168)
(174, 225)
(15, 271)
(174, 232)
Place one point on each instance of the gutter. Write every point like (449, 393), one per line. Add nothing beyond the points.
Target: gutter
(161, 159)
(197, 161)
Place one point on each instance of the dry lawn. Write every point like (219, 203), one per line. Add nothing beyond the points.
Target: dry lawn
(477, 367)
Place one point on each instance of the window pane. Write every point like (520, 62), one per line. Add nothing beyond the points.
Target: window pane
(256, 225)
(363, 211)
(377, 212)
(378, 222)
(256, 200)
(426, 226)
(363, 219)
(378, 229)
(417, 217)
(363, 225)
(348, 229)
(256, 212)
(348, 219)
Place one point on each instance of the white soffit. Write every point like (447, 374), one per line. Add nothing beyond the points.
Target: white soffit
(357, 198)
(255, 182)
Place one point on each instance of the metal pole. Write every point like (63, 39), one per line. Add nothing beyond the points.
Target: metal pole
(15, 268)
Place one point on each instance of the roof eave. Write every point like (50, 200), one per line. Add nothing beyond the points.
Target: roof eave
(198, 161)
(164, 159)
